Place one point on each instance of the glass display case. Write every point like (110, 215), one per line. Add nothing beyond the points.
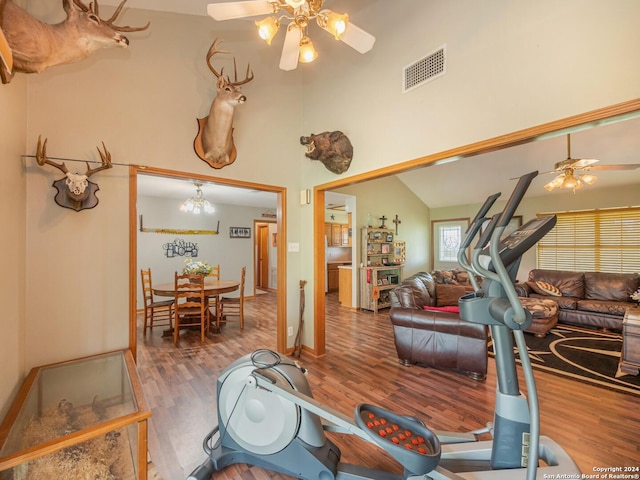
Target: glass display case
(85, 418)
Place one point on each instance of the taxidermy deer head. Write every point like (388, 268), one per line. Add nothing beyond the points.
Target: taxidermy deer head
(75, 191)
(37, 46)
(214, 141)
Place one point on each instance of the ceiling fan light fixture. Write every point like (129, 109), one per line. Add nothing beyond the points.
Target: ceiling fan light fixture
(307, 52)
(335, 23)
(572, 183)
(268, 28)
(295, 3)
(588, 178)
(555, 183)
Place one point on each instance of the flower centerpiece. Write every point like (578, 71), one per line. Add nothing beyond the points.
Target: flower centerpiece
(202, 268)
(636, 296)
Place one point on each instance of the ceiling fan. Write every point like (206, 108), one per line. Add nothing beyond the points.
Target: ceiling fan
(297, 44)
(568, 171)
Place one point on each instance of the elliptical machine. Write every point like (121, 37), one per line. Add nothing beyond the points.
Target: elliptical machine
(268, 417)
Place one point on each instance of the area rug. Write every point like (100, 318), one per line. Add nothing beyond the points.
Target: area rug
(584, 355)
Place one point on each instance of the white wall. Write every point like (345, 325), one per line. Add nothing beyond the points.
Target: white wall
(230, 253)
(512, 64)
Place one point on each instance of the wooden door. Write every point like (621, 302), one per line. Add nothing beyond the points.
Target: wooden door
(262, 261)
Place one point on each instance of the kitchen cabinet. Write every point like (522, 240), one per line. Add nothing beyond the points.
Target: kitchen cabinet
(344, 289)
(333, 275)
(337, 234)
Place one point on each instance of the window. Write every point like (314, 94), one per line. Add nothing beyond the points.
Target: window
(450, 238)
(593, 241)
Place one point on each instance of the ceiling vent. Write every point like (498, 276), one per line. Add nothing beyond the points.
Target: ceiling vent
(425, 70)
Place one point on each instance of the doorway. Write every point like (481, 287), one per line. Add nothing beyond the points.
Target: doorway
(279, 255)
(266, 242)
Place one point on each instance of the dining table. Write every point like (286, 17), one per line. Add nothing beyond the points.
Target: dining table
(212, 288)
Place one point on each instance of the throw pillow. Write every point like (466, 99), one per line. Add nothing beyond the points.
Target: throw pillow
(448, 295)
(449, 309)
(548, 289)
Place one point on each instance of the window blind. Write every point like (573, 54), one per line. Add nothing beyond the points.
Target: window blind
(606, 240)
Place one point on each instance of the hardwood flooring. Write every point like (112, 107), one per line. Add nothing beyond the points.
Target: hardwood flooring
(598, 427)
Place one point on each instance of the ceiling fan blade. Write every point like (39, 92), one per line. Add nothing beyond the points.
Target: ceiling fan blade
(628, 166)
(231, 10)
(291, 48)
(358, 39)
(574, 163)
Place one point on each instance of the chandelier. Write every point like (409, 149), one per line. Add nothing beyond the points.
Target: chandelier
(197, 204)
(298, 47)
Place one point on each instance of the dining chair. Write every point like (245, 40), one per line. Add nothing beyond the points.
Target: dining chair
(154, 311)
(213, 299)
(190, 304)
(233, 306)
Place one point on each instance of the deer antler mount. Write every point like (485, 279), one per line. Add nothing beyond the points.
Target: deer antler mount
(75, 190)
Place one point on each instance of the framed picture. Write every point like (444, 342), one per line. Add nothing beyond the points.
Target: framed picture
(385, 261)
(399, 252)
(239, 232)
(389, 237)
(385, 248)
(446, 237)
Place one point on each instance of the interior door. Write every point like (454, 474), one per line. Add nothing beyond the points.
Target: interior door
(262, 261)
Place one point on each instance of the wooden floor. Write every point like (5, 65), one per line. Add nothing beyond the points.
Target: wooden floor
(598, 427)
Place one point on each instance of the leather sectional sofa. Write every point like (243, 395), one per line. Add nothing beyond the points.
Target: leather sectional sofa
(436, 338)
(590, 299)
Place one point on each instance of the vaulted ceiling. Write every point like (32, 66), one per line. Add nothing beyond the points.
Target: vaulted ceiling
(615, 143)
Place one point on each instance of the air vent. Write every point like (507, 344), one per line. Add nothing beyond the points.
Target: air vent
(425, 70)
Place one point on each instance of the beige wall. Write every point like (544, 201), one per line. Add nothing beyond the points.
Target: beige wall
(511, 65)
(12, 261)
(390, 197)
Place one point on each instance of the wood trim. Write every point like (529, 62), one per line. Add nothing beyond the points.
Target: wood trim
(281, 334)
(319, 343)
(619, 111)
(133, 262)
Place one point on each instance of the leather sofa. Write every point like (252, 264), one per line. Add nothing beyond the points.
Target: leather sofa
(590, 299)
(435, 338)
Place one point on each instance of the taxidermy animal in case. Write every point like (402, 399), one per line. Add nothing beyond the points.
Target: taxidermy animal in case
(333, 149)
(37, 46)
(214, 141)
(75, 191)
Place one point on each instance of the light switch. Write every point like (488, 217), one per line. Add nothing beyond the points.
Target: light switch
(293, 247)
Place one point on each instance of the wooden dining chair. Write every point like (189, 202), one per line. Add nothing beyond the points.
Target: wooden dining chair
(154, 311)
(190, 304)
(233, 306)
(213, 300)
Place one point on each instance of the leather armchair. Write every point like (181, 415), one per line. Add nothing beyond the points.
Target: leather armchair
(435, 338)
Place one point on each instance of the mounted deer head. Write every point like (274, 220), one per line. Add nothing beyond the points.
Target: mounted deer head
(214, 141)
(37, 46)
(75, 191)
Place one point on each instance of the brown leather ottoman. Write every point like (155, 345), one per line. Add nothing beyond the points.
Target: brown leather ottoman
(544, 313)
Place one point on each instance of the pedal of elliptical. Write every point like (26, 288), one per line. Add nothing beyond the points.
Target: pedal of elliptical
(410, 442)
